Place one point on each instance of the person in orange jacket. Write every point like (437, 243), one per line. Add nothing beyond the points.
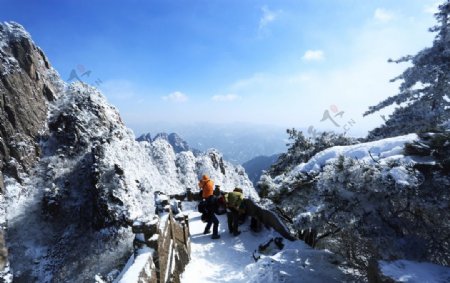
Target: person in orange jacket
(207, 187)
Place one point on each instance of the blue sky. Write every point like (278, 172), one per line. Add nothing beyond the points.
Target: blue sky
(267, 62)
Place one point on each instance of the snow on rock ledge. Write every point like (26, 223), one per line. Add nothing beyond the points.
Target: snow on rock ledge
(415, 272)
(381, 151)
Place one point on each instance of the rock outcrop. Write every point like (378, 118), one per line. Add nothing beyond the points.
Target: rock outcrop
(27, 85)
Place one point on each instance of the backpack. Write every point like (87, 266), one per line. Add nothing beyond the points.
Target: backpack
(202, 207)
(234, 200)
(221, 206)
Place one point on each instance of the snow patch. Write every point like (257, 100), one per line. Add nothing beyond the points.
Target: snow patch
(371, 152)
(415, 272)
(135, 265)
(400, 175)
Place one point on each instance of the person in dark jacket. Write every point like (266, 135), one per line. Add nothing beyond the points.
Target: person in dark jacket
(234, 201)
(211, 207)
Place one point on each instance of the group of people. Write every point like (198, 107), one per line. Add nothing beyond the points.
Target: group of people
(214, 201)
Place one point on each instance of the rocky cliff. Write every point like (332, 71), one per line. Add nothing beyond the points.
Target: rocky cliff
(27, 85)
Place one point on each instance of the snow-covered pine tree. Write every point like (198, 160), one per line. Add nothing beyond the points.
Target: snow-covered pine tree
(424, 94)
(302, 148)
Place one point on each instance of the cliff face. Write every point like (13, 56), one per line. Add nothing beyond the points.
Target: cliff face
(74, 176)
(27, 85)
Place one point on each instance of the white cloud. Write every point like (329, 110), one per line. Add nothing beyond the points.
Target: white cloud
(267, 17)
(226, 98)
(313, 55)
(177, 97)
(383, 15)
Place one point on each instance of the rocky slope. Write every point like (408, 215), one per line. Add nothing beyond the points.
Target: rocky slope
(75, 178)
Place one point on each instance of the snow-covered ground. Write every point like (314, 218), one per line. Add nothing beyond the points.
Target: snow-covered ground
(231, 259)
(415, 272)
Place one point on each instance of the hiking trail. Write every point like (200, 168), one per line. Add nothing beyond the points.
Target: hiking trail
(231, 259)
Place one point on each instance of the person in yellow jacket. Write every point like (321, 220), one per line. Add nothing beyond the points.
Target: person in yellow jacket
(234, 201)
(207, 187)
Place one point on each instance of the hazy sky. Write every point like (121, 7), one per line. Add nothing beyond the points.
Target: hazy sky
(266, 62)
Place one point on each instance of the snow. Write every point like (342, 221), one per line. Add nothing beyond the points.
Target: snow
(400, 175)
(376, 151)
(231, 259)
(415, 272)
(140, 237)
(385, 153)
(446, 125)
(16, 30)
(310, 211)
(17, 197)
(10, 32)
(171, 255)
(135, 265)
(6, 275)
(160, 198)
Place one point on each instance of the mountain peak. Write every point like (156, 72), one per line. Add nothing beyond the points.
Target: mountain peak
(178, 144)
(14, 30)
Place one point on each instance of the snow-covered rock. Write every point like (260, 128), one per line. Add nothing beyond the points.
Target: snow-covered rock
(380, 151)
(414, 272)
(371, 200)
(177, 143)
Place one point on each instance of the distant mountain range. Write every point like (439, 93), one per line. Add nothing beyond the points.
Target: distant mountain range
(239, 142)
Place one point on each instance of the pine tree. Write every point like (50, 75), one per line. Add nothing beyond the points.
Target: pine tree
(424, 93)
